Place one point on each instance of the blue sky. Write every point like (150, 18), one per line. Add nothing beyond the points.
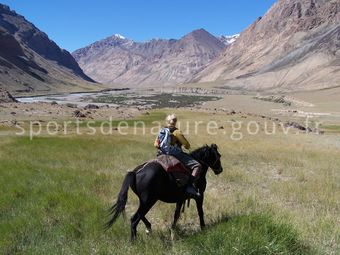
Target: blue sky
(73, 24)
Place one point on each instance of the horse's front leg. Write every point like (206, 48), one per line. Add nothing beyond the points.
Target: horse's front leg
(199, 205)
(177, 214)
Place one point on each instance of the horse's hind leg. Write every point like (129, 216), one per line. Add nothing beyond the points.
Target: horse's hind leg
(134, 222)
(147, 225)
(139, 215)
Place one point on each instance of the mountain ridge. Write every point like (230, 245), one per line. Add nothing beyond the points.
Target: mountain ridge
(294, 46)
(157, 61)
(31, 62)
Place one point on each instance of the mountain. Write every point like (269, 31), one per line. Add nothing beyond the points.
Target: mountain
(6, 97)
(120, 60)
(229, 39)
(31, 62)
(294, 46)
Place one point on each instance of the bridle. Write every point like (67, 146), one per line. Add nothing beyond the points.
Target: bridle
(212, 166)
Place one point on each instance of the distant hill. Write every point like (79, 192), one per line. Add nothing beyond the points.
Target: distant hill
(295, 46)
(32, 63)
(120, 60)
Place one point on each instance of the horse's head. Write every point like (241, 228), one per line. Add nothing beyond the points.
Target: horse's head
(213, 159)
(210, 157)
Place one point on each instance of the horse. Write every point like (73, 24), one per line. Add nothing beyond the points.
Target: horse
(150, 182)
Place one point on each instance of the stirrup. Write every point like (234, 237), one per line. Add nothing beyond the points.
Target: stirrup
(192, 192)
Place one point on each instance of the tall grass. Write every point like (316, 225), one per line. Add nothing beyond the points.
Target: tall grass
(281, 196)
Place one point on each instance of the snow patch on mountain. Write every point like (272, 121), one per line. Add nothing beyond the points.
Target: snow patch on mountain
(229, 39)
(120, 36)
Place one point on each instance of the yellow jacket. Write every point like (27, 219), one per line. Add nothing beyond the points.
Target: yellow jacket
(176, 138)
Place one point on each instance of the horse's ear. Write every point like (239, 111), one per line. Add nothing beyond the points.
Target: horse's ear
(206, 150)
(214, 146)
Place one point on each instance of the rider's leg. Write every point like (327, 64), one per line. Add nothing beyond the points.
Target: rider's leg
(195, 169)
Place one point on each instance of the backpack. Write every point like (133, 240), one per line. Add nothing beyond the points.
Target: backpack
(164, 140)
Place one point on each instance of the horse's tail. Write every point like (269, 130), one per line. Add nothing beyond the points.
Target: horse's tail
(119, 206)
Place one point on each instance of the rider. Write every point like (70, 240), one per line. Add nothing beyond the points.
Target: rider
(177, 141)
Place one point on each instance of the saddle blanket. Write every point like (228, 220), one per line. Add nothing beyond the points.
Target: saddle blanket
(175, 168)
(172, 164)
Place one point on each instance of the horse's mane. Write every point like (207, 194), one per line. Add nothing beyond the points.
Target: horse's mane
(200, 152)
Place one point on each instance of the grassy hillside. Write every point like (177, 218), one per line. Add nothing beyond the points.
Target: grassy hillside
(277, 195)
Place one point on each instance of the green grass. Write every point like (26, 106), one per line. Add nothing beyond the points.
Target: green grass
(55, 192)
(51, 193)
(6, 128)
(248, 234)
(155, 101)
(148, 120)
(331, 129)
(281, 195)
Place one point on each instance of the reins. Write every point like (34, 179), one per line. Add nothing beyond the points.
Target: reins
(203, 163)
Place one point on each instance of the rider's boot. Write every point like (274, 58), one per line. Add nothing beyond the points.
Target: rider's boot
(190, 189)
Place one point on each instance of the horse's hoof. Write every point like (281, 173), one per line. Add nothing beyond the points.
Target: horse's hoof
(172, 234)
(148, 231)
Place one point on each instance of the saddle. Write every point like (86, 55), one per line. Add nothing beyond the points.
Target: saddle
(174, 168)
(172, 164)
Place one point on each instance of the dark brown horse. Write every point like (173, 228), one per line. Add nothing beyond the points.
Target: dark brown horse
(151, 183)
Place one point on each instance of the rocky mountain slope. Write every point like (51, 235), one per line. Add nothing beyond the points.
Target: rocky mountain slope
(6, 97)
(295, 46)
(120, 60)
(31, 63)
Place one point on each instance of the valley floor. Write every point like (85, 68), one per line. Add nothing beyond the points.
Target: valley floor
(279, 193)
